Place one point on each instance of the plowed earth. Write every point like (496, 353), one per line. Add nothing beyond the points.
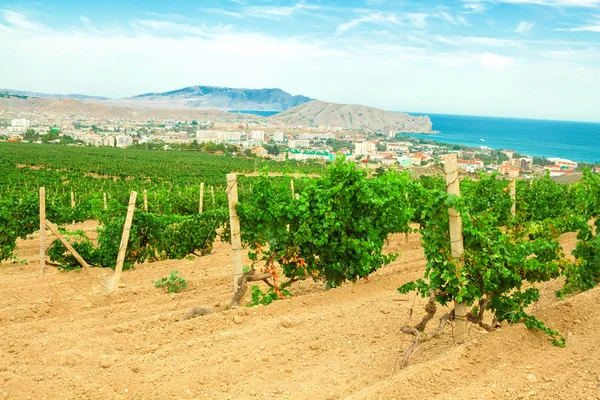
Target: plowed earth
(63, 337)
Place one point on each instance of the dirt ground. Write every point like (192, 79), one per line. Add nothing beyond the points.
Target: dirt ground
(63, 337)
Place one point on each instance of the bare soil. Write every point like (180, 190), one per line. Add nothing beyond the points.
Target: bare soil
(63, 337)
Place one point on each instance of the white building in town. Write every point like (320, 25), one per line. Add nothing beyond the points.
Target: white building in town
(217, 136)
(18, 125)
(563, 163)
(108, 141)
(364, 148)
(296, 143)
(278, 136)
(123, 141)
(20, 122)
(257, 135)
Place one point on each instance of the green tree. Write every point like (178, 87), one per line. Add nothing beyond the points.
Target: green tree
(31, 135)
(274, 149)
(49, 136)
(210, 146)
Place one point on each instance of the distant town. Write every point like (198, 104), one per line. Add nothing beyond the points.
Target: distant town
(246, 137)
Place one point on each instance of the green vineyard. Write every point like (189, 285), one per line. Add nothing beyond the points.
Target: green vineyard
(332, 228)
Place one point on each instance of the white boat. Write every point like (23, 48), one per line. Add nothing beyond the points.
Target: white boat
(481, 140)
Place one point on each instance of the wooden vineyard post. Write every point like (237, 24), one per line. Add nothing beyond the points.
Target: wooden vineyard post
(234, 221)
(406, 233)
(124, 241)
(513, 197)
(201, 202)
(456, 242)
(145, 200)
(42, 230)
(66, 243)
(212, 193)
(73, 205)
(292, 187)
(105, 204)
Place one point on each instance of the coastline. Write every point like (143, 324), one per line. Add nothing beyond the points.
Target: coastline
(483, 146)
(577, 141)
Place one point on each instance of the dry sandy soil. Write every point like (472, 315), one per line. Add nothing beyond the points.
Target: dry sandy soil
(64, 338)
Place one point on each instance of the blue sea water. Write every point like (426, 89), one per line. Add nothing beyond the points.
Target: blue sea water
(255, 112)
(577, 141)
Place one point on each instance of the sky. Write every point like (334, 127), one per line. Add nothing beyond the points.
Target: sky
(510, 58)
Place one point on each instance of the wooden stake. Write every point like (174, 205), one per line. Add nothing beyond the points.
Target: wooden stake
(212, 193)
(456, 242)
(42, 230)
(73, 206)
(292, 186)
(201, 202)
(145, 200)
(513, 197)
(406, 233)
(66, 243)
(124, 241)
(234, 221)
(105, 204)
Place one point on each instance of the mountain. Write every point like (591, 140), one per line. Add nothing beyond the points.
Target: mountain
(193, 97)
(53, 96)
(203, 97)
(352, 116)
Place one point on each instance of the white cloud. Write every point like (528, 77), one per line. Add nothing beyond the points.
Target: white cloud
(222, 12)
(19, 21)
(374, 18)
(570, 55)
(275, 12)
(491, 60)
(474, 7)
(524, 27)
(588, 28)
(169, 28)
(550, 3)
(88, 24)
(593, 26)
(416, 19)
(447, 17)
(466, 41)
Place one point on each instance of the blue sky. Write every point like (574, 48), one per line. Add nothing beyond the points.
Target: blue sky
(514, 58)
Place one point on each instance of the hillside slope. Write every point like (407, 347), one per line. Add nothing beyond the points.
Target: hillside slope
(352, 116)
(107, 111)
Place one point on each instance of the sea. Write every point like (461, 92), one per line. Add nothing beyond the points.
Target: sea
(576, 141)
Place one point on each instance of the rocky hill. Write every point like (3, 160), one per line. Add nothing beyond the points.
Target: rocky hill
(352, 116)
